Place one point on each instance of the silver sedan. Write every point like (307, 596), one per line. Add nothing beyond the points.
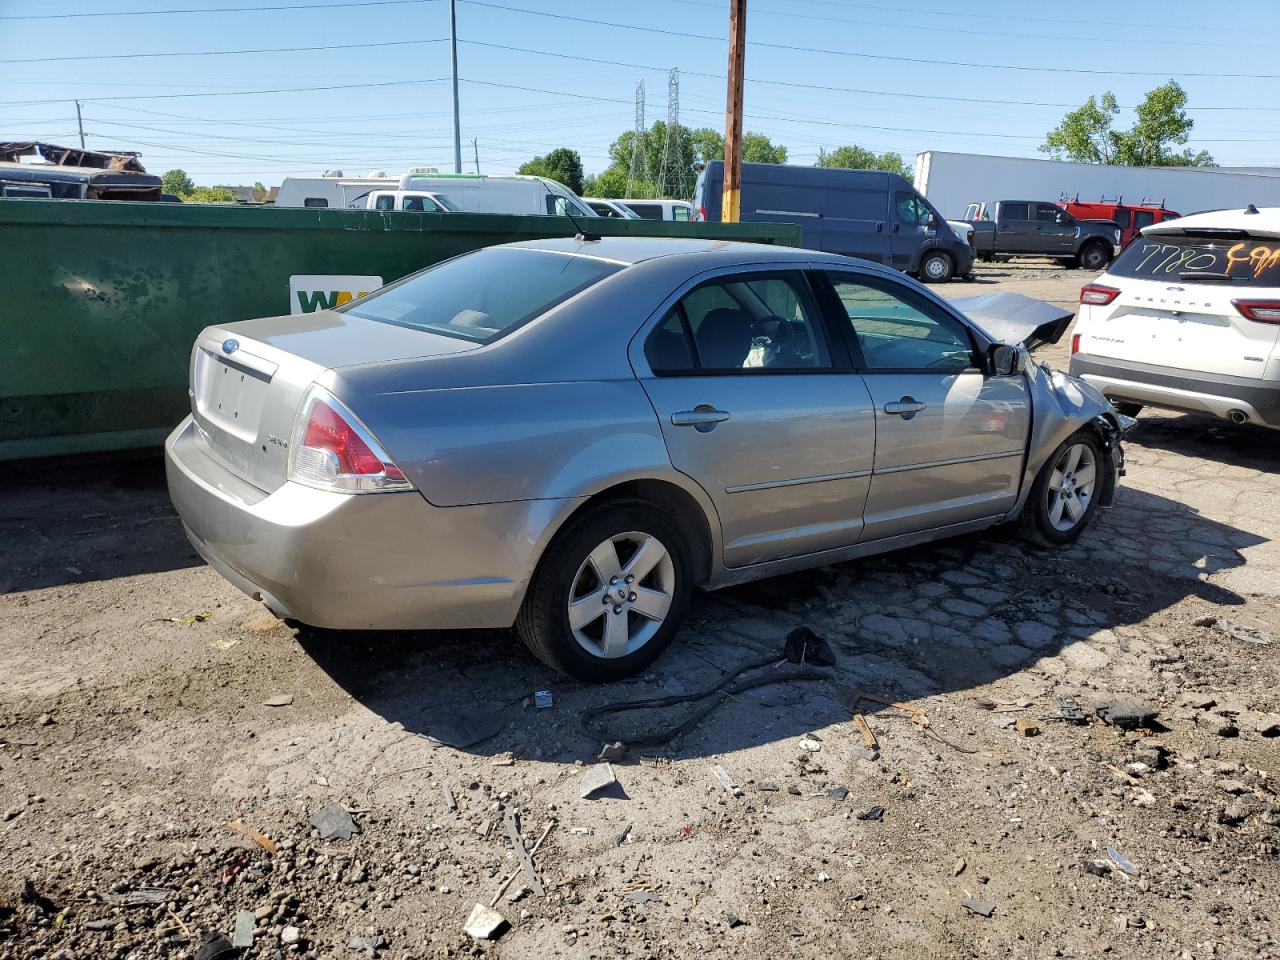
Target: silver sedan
(570, 435)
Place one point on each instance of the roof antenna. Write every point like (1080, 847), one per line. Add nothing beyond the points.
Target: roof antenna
(1250, 209)
(582, 236)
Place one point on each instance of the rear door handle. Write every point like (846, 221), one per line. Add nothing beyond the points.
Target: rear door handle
(703, 417)
(905, 408)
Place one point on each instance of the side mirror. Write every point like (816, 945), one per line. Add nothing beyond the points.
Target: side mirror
(1002, 360)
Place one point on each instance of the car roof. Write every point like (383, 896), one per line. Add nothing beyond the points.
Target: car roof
(1265, 222)
(632, 250)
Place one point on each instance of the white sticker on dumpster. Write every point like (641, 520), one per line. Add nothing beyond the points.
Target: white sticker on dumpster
(311, 292)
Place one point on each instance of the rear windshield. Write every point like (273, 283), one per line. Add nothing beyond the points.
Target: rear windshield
(484, 295)
(1201, 259)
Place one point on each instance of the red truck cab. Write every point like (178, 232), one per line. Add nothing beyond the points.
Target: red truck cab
(1131, 217)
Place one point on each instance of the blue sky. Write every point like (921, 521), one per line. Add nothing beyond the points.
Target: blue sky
(532, 81)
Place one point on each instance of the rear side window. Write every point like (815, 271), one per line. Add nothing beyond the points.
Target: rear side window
(680, 213)
(646, 211)
(1142, 218)
(384, 203)
(483, 296)
(1201, 259)
(315, 202)
(746, 324)
(1122, 217)
(1013, 211)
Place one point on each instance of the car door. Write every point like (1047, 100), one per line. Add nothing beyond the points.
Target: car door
(1014, 228)
(950, 438)
(757, 407)
(856, 216)
(911, 225)
(1055, 229)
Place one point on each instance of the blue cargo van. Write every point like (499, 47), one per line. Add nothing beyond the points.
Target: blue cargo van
(870, 214)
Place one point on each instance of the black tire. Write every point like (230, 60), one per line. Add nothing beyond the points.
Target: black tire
(1035, 522)
(1127, 408)
(543, 622)
(1094, 256)
(936, 266)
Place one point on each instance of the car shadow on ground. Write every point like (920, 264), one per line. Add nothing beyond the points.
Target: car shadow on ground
(933, 620)
(78, 519)
(1243, 446)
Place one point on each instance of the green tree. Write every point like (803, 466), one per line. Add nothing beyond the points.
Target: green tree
(860, 158)
(209, 195)
(561, 164)
(757, 148)
(177, 182)
(1088, 135)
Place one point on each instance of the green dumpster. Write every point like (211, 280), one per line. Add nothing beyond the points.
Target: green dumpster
(102, 300)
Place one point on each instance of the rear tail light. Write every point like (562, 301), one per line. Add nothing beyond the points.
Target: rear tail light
(1260, 311)
(332, 450)
(1075, 343)
(1097, 295)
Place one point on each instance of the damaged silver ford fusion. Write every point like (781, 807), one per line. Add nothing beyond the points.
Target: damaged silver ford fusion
(1061, 405)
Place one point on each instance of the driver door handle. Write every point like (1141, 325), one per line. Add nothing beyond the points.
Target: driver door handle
(905, 408)
(703, 415)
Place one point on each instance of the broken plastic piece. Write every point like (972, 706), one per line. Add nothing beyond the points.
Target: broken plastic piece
(597, 778)
(334, 823)
(542, 699)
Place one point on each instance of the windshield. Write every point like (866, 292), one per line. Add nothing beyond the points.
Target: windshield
(484, 295)
(1230, 258)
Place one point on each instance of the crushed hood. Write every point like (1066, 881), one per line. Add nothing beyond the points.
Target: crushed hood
(1016, 319)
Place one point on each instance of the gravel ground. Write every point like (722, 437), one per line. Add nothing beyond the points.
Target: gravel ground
(149, 793)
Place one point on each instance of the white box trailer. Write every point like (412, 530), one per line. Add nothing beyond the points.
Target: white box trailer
(332, 190)
(953, 180)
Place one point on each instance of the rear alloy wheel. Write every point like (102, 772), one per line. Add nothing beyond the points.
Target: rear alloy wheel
(609, 594)
(1095, 256)
(1064, 497)
(936, 266)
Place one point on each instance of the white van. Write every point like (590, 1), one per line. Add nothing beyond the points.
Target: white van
(417, 200)
(660, 209)
(614, 209)
(482, 193)
(332, 190)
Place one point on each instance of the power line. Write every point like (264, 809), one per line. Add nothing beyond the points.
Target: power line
(228, 93)
(225, 53)
(865, 56)
(162, 13)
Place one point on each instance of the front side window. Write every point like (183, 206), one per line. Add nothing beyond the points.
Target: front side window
(484, 295)
(895, 333)
(412, 203)
(680, 213)
(1122, 218)
(646, 211)
(748, 323)
(1048, 213)
(911, 209)
(1142, 218)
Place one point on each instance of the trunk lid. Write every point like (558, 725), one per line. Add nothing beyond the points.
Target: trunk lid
(248, 380)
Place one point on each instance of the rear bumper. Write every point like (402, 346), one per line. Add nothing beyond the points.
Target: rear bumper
(365, 561)
(1222, 396)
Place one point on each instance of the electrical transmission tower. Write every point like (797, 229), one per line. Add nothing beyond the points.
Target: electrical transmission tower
(673, 169)
(638, 173)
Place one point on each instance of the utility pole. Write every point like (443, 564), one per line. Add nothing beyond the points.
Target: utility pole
(453, 47)
(80, 124)
(475, 145)
(731, 200)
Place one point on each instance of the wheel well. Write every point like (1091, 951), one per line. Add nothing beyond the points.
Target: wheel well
(670, 498)
(1092, 242)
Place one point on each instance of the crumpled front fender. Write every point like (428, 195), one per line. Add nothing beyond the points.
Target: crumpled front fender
(1060, 405)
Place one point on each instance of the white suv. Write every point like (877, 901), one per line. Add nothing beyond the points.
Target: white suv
(1188, 317)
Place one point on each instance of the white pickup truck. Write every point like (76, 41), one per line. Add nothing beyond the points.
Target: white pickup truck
(420, 200)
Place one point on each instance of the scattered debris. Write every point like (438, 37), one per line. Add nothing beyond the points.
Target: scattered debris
(515, 873)
(522, 855)
(764, 786)
(450, 801)
(214, 946)
(726, 781)
(543, 700)
(369, 945)
(466, 729)
(484, 923)
(243, 935)
(1099, 868)
(1237, 631)
(279, 700)
(265, 842)
(613, 752)
(1121, 861)
(141, 897)
(793, 790)
(983, 908)
(621, 838)
(1125, 714)
(598, 777)
(1027, 727)
(808, 743)
(1069, 711)
(874, 814)
(189, 621)
(805, 647)
(334, 823)
(837, 793)
(870, 749)
(731, 921)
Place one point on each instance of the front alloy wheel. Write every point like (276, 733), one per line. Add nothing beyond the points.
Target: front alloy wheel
(1064, 497)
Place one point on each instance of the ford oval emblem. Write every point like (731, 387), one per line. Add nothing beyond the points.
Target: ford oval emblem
(231, 345)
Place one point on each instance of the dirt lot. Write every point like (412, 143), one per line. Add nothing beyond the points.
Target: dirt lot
(134, 730)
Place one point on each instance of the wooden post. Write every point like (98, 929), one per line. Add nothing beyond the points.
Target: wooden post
(730, 201)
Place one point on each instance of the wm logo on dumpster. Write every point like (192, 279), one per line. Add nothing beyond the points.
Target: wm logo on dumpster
(311, 292)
